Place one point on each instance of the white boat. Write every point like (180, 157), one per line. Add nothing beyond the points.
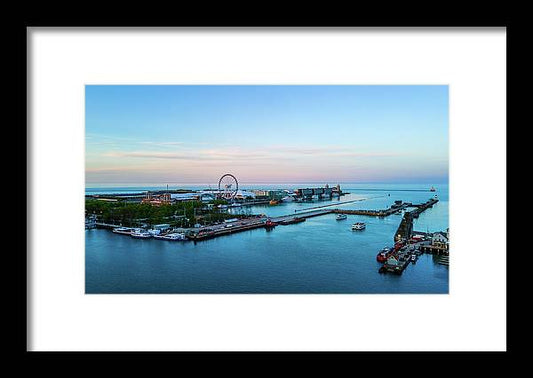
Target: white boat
(288, 199)
(140, 234)
(90, 222)
(358, 226)
(236, 205)
(341, 216)
(122, 230)
(172, 237)
(222, 206)
(154, 232)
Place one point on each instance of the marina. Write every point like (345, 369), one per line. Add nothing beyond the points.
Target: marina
(404, 231)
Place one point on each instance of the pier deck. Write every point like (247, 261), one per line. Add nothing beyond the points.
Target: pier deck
(405, 229)
(306, 215)
(243, 226)
(434, 250)
(107, 225)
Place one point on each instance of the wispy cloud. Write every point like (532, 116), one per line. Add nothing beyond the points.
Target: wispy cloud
(111, 169)
(328, 151)
(197, 155)
(236, 154)
(164, 143)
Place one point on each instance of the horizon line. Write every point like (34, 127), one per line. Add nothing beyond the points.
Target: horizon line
(269, 182)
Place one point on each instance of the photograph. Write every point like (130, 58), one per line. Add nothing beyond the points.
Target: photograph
(267, 189)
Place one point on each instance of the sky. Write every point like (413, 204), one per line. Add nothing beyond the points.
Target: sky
(266, 134)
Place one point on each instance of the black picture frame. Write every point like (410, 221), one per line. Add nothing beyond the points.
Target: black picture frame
(19, 36)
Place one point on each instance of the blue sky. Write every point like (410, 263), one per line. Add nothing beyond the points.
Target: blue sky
(194, 134)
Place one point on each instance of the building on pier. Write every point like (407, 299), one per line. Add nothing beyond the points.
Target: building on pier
(440, 240)
(325, 192)
(157, 199)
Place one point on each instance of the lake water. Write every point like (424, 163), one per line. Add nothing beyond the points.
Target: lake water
(320, 255)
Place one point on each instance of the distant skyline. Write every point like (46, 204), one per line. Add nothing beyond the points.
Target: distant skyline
(266, 134)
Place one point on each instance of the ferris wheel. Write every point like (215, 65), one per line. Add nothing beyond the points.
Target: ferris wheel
(228, 186)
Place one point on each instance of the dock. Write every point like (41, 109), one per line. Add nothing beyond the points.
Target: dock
(423, 207)
(107, 225)
(244, 226)
(434, 250)
(291, 221)
(309, 214)
(234, 227)
(332, 204)
(395, 208)
(397, 264)
(405, 229)
(370, 213)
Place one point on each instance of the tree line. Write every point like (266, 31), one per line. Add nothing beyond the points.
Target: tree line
(182, 214)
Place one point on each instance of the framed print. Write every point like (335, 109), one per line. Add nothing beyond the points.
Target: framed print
(295, 189)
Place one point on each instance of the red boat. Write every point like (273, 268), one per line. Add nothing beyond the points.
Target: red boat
(269, 223)
(383, 255)
(397, 246)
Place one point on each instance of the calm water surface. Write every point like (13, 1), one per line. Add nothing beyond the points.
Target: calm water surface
(320, 255)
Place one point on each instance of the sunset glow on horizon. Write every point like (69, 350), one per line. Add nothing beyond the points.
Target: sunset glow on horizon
(278, 134)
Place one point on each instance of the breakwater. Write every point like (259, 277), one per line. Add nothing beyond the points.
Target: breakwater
(405, 229)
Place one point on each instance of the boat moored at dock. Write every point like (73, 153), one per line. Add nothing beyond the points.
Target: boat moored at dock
(140, 234)
(172, 237)
(383, 255)
(123, 230)
(341, 216)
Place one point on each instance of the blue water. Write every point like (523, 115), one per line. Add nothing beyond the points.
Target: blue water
(320, 255)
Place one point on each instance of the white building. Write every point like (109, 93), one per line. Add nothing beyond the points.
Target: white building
(440, 239)
(243, 194)
(185, 196)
